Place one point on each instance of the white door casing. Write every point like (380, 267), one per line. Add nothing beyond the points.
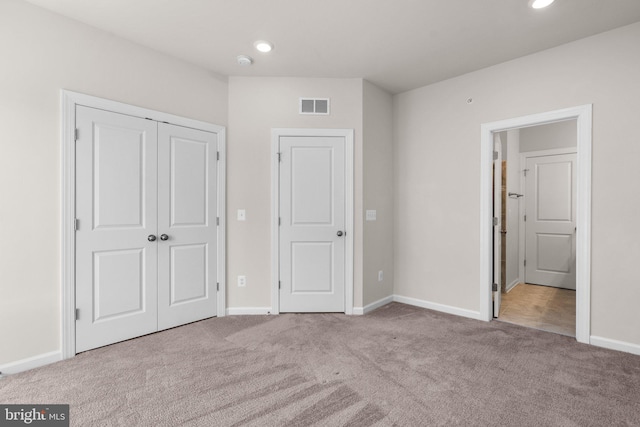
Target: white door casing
(187, 173)
(550, 200)
(312, 229)
(70, 214)
(497, 225)
(583, 116)
(117, 210)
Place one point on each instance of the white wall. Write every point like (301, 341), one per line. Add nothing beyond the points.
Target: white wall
(256, 105)
(547, 137)
(378, 193)
(437, 170)
(513, 208)
(42, 53)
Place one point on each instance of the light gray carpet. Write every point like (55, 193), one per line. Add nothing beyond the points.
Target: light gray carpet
(399, 365)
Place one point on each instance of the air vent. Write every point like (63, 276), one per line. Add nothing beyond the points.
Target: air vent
(314, 106)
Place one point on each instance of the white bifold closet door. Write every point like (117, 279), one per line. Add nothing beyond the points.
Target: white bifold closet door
(146, 236)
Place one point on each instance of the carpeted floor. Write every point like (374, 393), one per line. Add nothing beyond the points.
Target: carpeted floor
(399, 365)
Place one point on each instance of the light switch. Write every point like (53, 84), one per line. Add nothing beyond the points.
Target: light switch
(242, 215)
(371, 215)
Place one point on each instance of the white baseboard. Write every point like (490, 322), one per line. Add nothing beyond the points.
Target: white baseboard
(615, 345)
(31, 363)
(370, 307)
(512, 285)
(438, 307)
(239, 311)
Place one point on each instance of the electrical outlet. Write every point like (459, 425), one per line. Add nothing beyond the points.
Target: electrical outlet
(380, 276)
(371, 215)
(242, 215)
(242, 281)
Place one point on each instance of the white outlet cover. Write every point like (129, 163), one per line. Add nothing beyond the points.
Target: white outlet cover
(371, 215)
(242, 215)
(242, 281)
(380, 276)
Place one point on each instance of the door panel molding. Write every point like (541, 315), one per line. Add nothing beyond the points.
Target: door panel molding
(583, 116)
(68, 102)
(348, 135)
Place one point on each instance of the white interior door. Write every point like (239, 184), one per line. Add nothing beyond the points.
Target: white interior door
(187, 212)
(497, 225)
(550, 247)
(116, 207)
(312, 230)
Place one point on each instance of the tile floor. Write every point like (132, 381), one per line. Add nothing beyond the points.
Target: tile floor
(540, 307)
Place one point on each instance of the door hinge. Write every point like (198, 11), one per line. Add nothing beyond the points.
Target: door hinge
(494, 288)
(217, 286)
(77, 313)
(279, 284)
(217, 155)
(525, 262)
(495, 155)
(279, 157)
(279, 221)
(525, 218)
(525, 171)
(76, 132)
(218, 220)
(495, 221)
(76, 224)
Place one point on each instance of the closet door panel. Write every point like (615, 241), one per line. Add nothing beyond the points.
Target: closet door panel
(187, 213)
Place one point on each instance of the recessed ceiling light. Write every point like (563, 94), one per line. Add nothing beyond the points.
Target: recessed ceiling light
(263, 46)
(539, 4)
(244, 60)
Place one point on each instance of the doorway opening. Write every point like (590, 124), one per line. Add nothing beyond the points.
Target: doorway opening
(582, 118)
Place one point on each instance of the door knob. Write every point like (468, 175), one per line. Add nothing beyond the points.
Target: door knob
(164, 237)
(340, 233)
(151, 238)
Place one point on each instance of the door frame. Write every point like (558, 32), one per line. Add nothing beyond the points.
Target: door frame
(348, 136)
(522, 225)
(68, 102)
(583, 115)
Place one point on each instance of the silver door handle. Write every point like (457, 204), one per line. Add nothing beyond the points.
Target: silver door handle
(164, 237)
(340, 233)
(151, 238)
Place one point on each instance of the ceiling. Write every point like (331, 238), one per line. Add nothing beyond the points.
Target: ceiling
(396, 44)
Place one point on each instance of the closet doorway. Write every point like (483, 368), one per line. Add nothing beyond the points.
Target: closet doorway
(143, 195)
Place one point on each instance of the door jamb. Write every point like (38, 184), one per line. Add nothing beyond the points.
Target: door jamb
(583, 115)
(348, 136)
(68, 102)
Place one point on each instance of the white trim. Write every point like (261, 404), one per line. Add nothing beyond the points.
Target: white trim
(627, 347)
(439, 307)
(348, 135)
(522, 225)
(512, 285)
(244, 311)
(222, 226)
(373, 306)
(583, 115)
(31, 363)
(68, 102)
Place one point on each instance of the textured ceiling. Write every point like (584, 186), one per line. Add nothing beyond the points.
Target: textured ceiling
(396, 44)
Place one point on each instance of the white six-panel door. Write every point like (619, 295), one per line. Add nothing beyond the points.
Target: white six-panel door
(312, 230)
(551, 220)
(147, 236)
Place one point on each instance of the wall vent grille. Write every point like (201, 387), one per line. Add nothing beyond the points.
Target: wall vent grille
(314, 106)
